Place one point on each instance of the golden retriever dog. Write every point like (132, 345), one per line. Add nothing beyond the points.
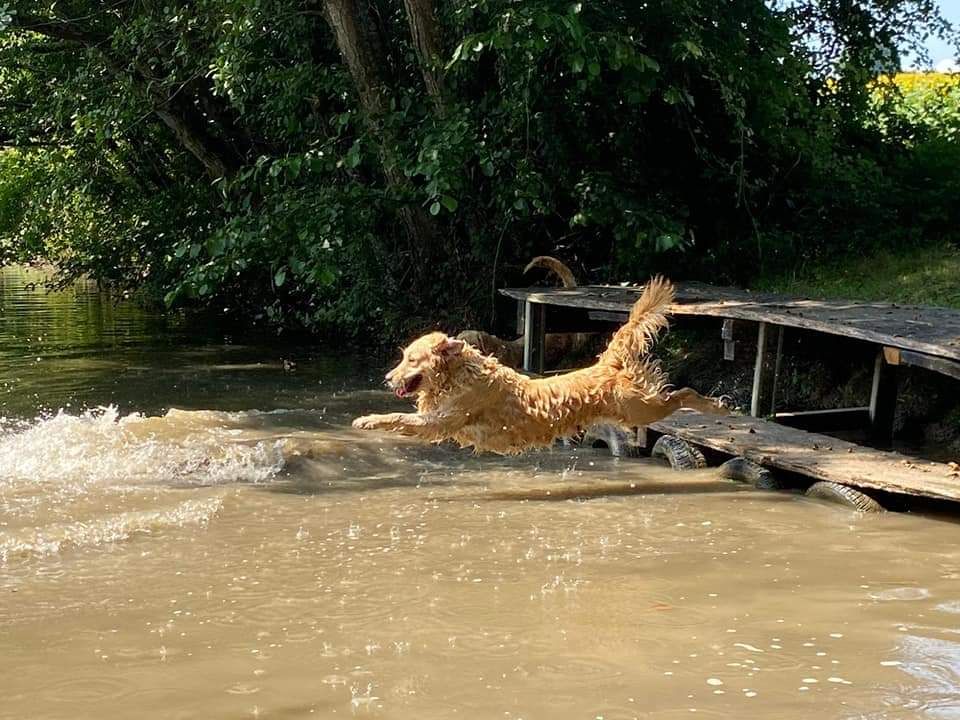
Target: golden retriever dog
(473, 399)
(556, 345)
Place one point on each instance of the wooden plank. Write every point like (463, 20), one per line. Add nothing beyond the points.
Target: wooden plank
(726, 330)
(765, 370)
(813, 455)
(606, 316)
(578, 320)
(944, 366)
(951, 368)
(534, 337)
(729, 344)
(883, 401)
(929, 330)
(822, 420)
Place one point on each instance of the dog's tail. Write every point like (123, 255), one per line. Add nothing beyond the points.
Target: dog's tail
(546, 262)
(647, 318)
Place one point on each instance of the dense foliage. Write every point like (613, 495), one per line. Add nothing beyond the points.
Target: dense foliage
(352, 166)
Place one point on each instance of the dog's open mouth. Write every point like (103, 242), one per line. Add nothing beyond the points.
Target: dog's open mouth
(409, 387)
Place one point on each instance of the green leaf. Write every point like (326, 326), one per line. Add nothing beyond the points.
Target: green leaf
(435, 209)
(594, 69)
(577, 62)
(352, 159)
(692, 48)
(648, 62)
(672, 96)
(215, 245)
(449, 203)
(488, 169)
(458, 51)
(327, 276)
(280, 277)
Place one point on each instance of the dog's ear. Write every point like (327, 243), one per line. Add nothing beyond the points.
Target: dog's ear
(449, 347)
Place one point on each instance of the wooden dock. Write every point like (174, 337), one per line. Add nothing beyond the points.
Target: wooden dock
(901, 335)
(930, 331)
(816, 456)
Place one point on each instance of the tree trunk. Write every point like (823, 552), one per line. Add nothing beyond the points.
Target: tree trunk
(425, 32)
(360, 45)
(194, 140)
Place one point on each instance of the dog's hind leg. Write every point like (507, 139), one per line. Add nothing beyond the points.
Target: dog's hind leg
(690, 398)
(641, 411)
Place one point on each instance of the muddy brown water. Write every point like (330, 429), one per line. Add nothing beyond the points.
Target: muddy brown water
(189, 531)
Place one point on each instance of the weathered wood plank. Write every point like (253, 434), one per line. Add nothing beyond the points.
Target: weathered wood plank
(534, 337)
(766, 369)
(930, 330)
(729, 344)
(951, 368)
(854, 418)
(607, 316)
(813, 455)
(883, 401)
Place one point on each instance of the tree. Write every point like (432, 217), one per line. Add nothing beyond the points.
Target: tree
(346, 165)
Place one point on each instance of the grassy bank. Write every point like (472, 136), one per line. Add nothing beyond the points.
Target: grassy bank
(921, 276)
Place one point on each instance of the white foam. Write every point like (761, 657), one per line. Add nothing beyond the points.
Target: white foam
(52, 539)
(100, 447)
(69, 481)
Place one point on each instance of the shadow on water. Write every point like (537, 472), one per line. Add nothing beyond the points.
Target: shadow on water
(346, 462)
(299, 483)
(590, 492)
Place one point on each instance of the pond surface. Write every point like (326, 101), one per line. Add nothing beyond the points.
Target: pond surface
(188, 530)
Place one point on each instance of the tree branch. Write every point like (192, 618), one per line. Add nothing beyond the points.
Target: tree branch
(176, 112)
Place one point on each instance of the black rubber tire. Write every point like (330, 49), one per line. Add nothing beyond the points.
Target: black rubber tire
(618, 441)
(678, 453)
(747, 471)
(844, 495)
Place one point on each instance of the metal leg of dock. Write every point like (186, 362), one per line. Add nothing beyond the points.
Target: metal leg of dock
(766, 370)
(534, 336)
(883, 401)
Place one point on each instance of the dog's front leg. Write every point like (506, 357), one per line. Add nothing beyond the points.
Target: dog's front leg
(394, 422)
(429, 427)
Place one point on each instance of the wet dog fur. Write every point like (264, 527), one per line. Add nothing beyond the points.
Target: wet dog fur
(476, 401)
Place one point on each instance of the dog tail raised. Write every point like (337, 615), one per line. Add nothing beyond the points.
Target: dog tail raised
(647, 318)
(546, 262)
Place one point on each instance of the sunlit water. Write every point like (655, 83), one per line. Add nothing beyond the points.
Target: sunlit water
(237, 551)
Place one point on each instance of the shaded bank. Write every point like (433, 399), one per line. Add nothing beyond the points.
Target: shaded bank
(369, 169)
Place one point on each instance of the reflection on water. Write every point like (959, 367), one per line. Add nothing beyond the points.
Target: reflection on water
(246, 554)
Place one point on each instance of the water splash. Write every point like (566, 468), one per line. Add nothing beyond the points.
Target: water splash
(73, 481)
(50, 540)
(101, 447)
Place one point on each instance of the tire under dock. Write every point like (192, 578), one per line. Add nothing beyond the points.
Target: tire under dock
(821, 457)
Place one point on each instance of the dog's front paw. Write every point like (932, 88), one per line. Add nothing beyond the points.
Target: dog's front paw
(367, 422)
(375, 422)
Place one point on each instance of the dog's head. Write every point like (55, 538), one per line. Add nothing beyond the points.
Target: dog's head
(425, 365)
